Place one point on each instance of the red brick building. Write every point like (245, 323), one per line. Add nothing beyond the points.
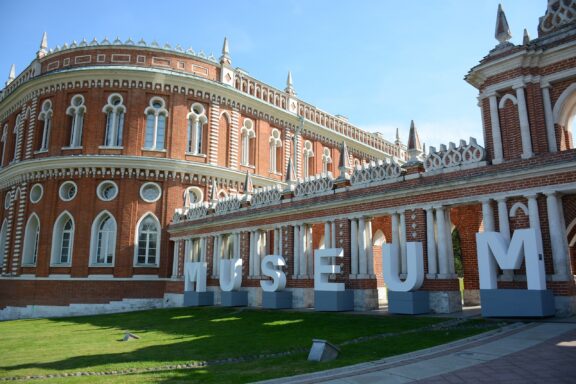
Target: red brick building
(122, 160)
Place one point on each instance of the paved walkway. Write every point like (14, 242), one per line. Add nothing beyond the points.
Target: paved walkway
(542, 352)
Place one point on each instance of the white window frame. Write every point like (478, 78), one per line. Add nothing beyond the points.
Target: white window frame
(196, 121)
(39, 186)
(102, 186)
(137, 242)
(17, 133)
(326, 159)
(308, 153)
(58, 233)
(247, 133)
(4, 140)
(95, 238)
(77, 112)
(114, 121)
(144, 186)
(31, 241)
(156, 113)
(3, 240)
(61, 190)
(275, 143)
(45, 116)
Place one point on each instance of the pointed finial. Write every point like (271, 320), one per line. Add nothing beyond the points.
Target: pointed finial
(502, 33)
(248, 186)
(12, 74)
(290, 174)
(289, 88)
(414, 146)
(43, 46)
(225, 58)
(526, 38)
(344, 161)
(397, 142)
(214, 192)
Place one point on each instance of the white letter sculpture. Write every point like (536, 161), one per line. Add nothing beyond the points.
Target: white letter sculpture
(494, 249)
(323, 268)
(269, 268)
(195, 272)
(230, 274)
(415, 268)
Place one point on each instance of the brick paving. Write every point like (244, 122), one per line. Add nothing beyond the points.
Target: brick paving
(552, 361)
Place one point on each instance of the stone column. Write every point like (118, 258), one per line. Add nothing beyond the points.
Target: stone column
(176, 259)
(327, 235)
(354, 247)
(251, 253)
(216, 255)
(443, 259)
(558, 238)
(333, 236)
(496, 133)
(449, 246)
(404, 262)
(302, 245)
(534, 217)
(524, 124)
(504, 225)
(362, 263)
(203, 244)
(431, 243)
(548, 115)
(309, 252)
(369, 250)
(396, 236)
(296, 250)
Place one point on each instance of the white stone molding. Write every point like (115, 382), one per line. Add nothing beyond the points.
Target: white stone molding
(524, 123)
(20, 196)
(196, 121)
(558, 236)
(514, 209)
(275, 141)
(455, 158)
(375, 172)
(534, 219)
(315, 185)
(496, 131)
(548, 116)
(176, 259)
(233, 142)
(214, 132)
(505, 98)
(228, 204)
(262, 197)
(558, 13)
(31, 129)
(431, 243)
(76, 110)
(504, 229)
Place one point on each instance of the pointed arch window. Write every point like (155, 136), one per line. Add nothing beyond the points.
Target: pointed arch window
(17, 138)
(248, 135)
(115, 111)
(103, 244)
(148, 241)
(63, 240)
(156, 114)
(308, 159)
(46, 117)
(275, 151)
(76, 111)
(326, 160)
(4, 140)
(196, 121)
(31, 241)
(3, 240)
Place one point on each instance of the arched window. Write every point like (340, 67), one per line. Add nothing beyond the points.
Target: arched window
(103, 241)
(193, 195)
(4, 140)
(31, 241)
(326, 160)
(3, 239)
(148, 241)
(114, 111)
(76, 111)
(45, 116)
(275, 151)
(248, 135)
(308, 159)
(17, 138)
(63, 240)
(196, 120)
(155, 124)
(563, 114)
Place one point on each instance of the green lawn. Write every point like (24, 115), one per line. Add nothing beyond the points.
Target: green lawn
(184, 335)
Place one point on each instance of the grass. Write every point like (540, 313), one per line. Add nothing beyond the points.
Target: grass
(179, 336)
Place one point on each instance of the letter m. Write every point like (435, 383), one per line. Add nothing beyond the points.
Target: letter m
(495, 250)
(195, 273)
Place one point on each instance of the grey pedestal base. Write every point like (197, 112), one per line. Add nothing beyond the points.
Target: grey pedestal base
(516, 303)
(198, 299)
(334, 301)
(408, 303)
(234, 299)
(277, 300)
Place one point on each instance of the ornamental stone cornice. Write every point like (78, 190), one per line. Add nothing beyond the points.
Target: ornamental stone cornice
(106, 166)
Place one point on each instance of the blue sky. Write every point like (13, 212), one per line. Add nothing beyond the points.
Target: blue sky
(380, 63)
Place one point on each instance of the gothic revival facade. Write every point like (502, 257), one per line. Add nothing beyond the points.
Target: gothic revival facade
(122, 162)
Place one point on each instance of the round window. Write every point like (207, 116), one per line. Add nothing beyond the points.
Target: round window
(7, 200)
(68, 190)
(107, 190)
(36, 193)
(150, 192)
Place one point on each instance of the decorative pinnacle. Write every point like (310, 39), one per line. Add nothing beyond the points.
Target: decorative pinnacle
(43, 46)
(214, 192)
(397, 142)
(289, 88)
(502, 33)
(12, 74)
(290, 173)
(344, 161)
(526, 38)
(248, 185)
(414, 146)
(225, 58)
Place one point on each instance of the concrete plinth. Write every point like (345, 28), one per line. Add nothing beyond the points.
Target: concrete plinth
(234, 299)
(516, 303)
(277, 300)
(409, 303)
(198, 299)
(334, 301)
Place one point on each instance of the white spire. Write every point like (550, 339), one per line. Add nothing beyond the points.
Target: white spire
(12, 74)
(502, 33)
(289, 88)
(43, 46)
(526, 39)
(225, 58)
